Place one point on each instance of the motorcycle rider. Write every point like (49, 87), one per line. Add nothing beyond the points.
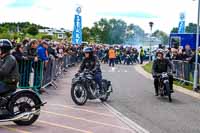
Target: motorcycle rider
(9, 75)
(91, 63)
(161, 65)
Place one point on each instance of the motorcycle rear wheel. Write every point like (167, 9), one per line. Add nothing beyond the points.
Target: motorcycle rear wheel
(24, 106)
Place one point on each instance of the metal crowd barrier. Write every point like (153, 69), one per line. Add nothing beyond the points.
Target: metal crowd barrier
(185, 71)
(37, 75)
(49, 73)
(31, 74)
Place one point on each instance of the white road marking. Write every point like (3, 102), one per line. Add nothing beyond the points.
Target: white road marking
(131, 124)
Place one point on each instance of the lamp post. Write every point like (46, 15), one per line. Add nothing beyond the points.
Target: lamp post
(196, 53)
(151, 27)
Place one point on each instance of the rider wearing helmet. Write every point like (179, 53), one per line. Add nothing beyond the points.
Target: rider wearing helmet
(9, 75)
(92, 64)
(161, 65)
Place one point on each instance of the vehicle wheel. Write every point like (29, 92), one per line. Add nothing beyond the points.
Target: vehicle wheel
(168, 92)
(105, 97)
(24, 102)
(79, 94)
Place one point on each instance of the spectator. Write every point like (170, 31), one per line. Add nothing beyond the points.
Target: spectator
(32, 50)
(112, 56)
(142, 55)
(169, 54)
(42, 52)
(19, 53)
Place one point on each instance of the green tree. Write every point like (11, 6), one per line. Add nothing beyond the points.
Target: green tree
(191, 28)
(32, 30)
(47, 37)
(86, 34)
(162, 36)
(174, 30)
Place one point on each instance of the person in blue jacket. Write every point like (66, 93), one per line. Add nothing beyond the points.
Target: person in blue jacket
(42, 51)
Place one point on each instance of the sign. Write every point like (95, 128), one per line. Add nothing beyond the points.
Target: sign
(181, 26)
(77, 32)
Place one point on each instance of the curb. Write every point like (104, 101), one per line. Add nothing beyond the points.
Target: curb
(134, 127)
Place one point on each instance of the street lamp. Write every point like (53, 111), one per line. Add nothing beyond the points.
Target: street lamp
(151, 26)
(196, 54)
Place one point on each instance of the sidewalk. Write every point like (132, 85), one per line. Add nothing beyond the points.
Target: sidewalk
(61, 115)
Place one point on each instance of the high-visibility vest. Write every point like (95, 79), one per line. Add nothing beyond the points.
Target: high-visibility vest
(112, 54)
(142, 52)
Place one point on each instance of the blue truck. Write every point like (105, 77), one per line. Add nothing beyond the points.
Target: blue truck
(177, 40)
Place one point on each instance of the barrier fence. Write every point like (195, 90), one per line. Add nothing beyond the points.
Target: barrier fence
(37, 75)
(185, 71)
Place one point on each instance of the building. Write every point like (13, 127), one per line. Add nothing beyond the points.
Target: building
(59, 34)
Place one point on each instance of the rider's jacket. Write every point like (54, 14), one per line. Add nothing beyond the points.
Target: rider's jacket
(160, 66)
(9, 71)
(91, 64)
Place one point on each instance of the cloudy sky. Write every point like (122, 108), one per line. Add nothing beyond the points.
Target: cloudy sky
(60, 13)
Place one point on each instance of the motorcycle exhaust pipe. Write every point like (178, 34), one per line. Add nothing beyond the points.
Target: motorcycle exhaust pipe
(21, 116)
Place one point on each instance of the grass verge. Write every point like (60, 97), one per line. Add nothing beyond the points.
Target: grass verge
(148, 68)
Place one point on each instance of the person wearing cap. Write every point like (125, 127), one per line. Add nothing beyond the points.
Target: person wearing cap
(9, 75)
(42, 51)
(161, 65)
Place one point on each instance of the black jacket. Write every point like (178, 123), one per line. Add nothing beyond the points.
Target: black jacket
(160, 66)
(9, 71)
(91, 64)
(18, 55)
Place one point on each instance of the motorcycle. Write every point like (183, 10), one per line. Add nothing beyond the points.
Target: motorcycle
(20, 106)
(84, 87)
(163, 85)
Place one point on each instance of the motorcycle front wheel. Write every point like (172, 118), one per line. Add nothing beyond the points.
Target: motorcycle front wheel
(79, 94)
(22, 103)
(168, 92)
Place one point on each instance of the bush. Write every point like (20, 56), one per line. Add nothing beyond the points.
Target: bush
(47, 37)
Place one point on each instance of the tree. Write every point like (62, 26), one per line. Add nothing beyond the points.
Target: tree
(174, 30)
(47, 37)
(162, 36)
(32, 30)
(191, 28)
(86, 34)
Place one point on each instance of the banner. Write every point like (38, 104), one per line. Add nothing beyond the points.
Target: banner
(181, 26)
(77, 32)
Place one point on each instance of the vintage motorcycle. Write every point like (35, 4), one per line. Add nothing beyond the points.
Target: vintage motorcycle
(20, 106)
(84, 87)
(163, 85)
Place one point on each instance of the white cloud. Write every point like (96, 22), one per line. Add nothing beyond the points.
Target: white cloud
(60, 13)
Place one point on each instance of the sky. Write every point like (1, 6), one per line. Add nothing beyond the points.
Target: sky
(60, 13)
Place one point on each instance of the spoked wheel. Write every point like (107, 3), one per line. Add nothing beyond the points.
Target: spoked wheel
(22, 103)
(106, 95)
(79, 94)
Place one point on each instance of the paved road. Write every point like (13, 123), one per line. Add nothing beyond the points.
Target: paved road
(134, 97)
(61, 115)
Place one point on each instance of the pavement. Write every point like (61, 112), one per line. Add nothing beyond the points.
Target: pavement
(61, 115)
(132, 108)
(134, 97)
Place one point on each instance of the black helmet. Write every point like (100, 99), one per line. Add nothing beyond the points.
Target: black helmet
(88, 50)
(5, 45)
